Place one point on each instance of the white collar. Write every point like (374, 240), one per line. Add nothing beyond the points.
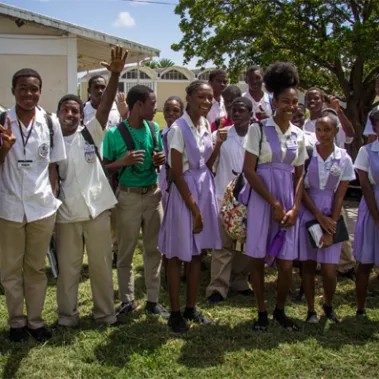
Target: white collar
(39, 115)
(219, 103)
(292, 129)
(337, 154)
(203, 124)
(264, 99)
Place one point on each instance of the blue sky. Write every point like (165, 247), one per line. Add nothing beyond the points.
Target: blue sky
(150, 24)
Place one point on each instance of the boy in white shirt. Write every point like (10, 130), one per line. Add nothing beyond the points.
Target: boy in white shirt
(32, 143)
(230, 269)
(218, 80)
(262, 102)
(87, 198)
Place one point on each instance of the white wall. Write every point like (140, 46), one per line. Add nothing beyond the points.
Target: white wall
(53, 57)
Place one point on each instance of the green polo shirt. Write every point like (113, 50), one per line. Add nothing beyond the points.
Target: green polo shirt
(114, 148)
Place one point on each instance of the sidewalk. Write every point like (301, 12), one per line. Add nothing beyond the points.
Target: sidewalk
(351, 207)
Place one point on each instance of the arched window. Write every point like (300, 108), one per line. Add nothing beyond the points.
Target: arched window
(204, 76)
(132, 74)
(173, 75)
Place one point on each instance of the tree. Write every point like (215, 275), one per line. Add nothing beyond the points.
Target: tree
(161, 63)
(332, 42)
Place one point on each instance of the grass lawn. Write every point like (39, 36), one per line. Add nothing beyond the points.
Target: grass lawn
(159, 119)
(145, 348)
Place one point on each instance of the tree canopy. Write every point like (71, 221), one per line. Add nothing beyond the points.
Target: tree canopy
(160, 63)
(333, 43)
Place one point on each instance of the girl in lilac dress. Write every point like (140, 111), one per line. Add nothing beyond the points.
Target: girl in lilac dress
(273, 167)
(190, 223)
(327, 177)
(366, 238)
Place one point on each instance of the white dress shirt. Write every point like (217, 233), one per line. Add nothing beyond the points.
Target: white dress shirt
(218, 110)
(90, 113)
(85, 191)
(230, 159)
(27, 191)
(175, 139)
(362, 161)
(265, 155)
(264, 102)
(324, 167)
(369, 130)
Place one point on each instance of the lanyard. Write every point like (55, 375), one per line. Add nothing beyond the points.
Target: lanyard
(25, 141)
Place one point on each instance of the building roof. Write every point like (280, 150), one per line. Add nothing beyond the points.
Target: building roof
(92, 46)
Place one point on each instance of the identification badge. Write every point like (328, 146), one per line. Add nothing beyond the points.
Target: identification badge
(43, 150)
(90, 157)
(89, 148)
(291, 144)
(335, 170)
(24, 165)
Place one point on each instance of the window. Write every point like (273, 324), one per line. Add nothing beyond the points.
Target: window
(132, 74)
(121, 87)
(204, 76)
(129, 85)
(173, 75)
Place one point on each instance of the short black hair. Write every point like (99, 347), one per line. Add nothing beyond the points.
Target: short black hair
(279, 77)
(92, 78)
(26, 72)
(234, 90)
(195, 85)
(302, 106)
(70, 97)
(332, 114)
(316, 89)
(175, 98)
(138, 93)
(216, 72)
(247, 102)
(252, 69)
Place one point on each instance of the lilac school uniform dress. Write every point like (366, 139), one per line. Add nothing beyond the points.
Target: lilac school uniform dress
(162, 179)
(176, 238)
(366, 237)
(323, 200)
(277, 175)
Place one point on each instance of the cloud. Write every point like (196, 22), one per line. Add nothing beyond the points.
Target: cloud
(124, 19)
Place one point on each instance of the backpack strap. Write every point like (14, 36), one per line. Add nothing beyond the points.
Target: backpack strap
(88, 138)
(49, 122)
(128, 139)
(153, 134)
(308, 161)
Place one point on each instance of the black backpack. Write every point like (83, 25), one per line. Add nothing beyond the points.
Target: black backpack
(128, 139)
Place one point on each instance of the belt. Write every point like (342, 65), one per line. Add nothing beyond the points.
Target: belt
(139, 190)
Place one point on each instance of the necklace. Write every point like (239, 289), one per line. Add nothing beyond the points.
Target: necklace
(138, 139)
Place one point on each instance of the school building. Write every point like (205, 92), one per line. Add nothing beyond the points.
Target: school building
(56, 49)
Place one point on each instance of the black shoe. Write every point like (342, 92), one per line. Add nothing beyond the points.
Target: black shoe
(40, 334)
(330, 314)
(361, 314)
(248, 292)
(215, 298)
(284, 321)
(178, 324)
(350, 274)
(18, 334)
(126, 308)
(156, 309)
(312, 318)
(261, 324)
(197, 317)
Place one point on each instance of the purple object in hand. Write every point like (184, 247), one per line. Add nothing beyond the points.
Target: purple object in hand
(275, 247)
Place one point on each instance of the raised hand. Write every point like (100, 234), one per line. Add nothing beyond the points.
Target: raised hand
(117, 60)
(122, 105)
(334, 103)
(7, 136)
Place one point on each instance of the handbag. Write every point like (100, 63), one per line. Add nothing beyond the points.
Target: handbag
(340, 235)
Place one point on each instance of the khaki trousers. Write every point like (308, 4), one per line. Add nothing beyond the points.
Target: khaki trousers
(69, 245)
(347, 259)
(135, 211)
(114, 230)
(22, 266)
(229, 268)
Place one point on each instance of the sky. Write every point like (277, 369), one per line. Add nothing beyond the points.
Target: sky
(154, 25)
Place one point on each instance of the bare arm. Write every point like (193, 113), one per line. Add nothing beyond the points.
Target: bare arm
(347, 126)
(115, 67)
(221, 137)
(129, 159)
(8, 140)
(338, 199)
